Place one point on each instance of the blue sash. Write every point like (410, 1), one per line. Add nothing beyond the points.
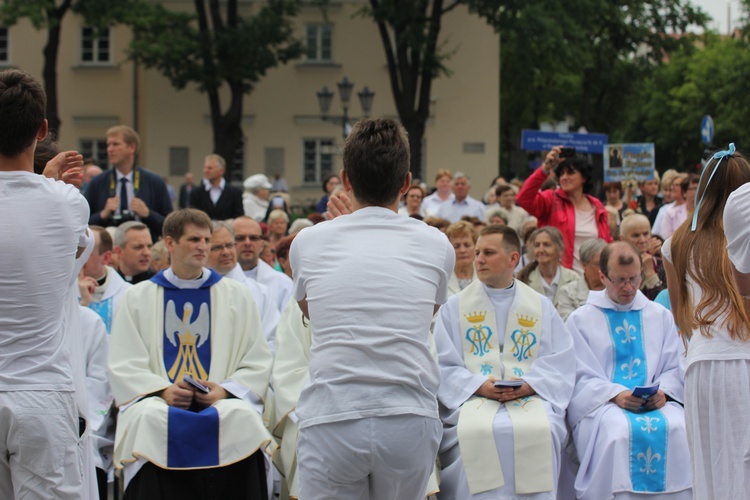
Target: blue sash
(104, 310)
(648, 430)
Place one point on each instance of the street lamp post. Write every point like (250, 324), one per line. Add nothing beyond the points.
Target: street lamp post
(325, 97)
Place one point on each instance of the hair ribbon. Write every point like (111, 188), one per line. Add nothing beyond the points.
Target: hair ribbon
(718, 156)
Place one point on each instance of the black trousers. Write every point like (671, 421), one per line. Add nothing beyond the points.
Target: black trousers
(244, 480)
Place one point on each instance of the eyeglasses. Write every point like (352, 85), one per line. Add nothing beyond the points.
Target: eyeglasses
(252, 237)
(621, 282)
(220, 248)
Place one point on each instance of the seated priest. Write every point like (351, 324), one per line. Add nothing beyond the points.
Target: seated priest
(507, 370)
(626, 414)
(189, 368)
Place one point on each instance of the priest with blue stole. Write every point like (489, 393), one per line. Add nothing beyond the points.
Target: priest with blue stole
(507, 370)
(189, 368)
(626, 414)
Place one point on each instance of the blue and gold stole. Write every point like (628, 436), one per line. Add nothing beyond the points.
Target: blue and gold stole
(648, 430)
(192, 436)
(532, 439)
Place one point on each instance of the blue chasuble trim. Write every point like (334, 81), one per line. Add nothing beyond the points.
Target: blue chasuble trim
(648, 430)
(192, 438)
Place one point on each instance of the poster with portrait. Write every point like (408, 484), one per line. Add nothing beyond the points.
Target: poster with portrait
(629, 162)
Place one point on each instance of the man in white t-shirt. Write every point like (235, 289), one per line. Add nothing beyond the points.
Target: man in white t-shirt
(42, 232)
(368, 418)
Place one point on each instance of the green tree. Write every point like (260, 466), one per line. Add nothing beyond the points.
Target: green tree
(216, 47)
(706, 78)
(585, 59)
(48, 15)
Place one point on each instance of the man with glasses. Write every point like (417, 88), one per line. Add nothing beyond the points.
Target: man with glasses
(222, 258)
(249, 238)
(626, 345)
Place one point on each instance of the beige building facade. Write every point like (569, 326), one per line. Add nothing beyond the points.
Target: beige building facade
(99, 87)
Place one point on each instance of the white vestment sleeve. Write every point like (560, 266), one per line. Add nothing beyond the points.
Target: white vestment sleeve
(457, 384)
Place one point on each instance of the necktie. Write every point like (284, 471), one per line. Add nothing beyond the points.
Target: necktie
(123, 195)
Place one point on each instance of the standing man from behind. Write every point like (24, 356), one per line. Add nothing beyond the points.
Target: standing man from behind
(127, 192)
(368, 418)
(42, 233)
(185, 191)
(219, 200)
(462, 204)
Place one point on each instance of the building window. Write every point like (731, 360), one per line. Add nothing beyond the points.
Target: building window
(318, 160)
(96, 149)
(179, 160)
(95, 46)
(4, 57)
(319, 42)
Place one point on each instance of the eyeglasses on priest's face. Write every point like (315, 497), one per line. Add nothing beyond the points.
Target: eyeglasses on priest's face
(621, 282)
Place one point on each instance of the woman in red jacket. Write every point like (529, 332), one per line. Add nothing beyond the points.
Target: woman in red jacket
(579, 216)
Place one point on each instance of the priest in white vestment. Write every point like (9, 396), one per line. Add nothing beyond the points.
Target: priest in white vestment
(628, 447)
(187, 320)
(502, 442)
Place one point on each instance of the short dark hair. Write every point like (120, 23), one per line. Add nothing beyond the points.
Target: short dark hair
(46, 149)
(502, 188)
(510, 237)
(22, 108)
(105, 239)
(579, 164)
(625, 258)
(376, 160)
(283, 246)
(174, 224)
(328, 178)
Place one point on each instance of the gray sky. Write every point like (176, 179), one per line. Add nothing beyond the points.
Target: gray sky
(718, 10)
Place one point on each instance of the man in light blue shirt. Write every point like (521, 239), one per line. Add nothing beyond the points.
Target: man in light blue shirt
(462, 204)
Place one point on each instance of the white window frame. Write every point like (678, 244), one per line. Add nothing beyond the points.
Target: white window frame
(100, 50)
(322, 164)
(317, 38)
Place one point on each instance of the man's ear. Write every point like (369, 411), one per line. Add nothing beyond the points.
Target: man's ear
(407, 183)
(43, 130)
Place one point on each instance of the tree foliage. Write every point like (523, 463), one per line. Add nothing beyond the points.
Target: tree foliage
(586, 59)
(216, 46)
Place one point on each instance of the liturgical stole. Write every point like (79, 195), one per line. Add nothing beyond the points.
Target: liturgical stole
(532, 441)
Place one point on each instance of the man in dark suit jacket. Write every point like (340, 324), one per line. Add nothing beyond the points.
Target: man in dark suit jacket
(215, 197)
(127, 192)
(185, 190)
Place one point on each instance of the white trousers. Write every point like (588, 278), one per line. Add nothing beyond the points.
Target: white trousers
(39, 446)
(383, 458)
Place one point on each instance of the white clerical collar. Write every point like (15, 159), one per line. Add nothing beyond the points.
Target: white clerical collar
(499, 293)
(616, 305)
(181, 283)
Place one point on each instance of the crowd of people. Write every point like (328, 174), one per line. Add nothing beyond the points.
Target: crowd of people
(536, 343)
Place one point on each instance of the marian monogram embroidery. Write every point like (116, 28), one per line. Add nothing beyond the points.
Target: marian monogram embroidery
(523, 338)
(478, 334)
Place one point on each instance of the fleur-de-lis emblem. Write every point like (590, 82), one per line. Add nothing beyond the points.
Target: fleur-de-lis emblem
(629, 368)
(649, 423)
(486, 369)
(647, 459)
(627, 330)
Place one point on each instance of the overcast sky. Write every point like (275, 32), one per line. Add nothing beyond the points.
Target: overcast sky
(718, 10)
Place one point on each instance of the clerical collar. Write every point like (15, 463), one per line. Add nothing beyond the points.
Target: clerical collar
(103, 279)
(181, 283)
(617, 306)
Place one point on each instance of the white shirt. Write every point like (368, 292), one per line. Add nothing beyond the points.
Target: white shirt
(675, 216)
(737, 228)
(371, 280)
(550, 289)
(214, 191)
(432, 203)
(43, 223)
(454, 210)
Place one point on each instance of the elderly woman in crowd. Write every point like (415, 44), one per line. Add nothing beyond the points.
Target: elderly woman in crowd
(462, 236)
(278, 223)
(255, 198)
(546, 275)
(649, 202)
(413, 201)
(636, 230)
(497, 215)
(573, 295)
(579, 216)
